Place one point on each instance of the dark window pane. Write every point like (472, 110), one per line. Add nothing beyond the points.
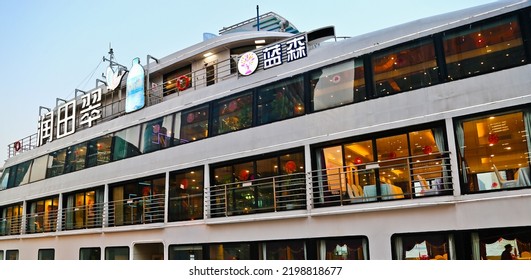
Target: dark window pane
(281, 100)
(126, 143)
(405, 67)
(99, 151)
(186, 195)
(483, 47)
(194, 124)
(233, 114)
(156, 134)
(75, 157)
(57, 163)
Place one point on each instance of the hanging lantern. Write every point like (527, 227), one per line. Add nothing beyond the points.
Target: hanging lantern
(290, 167)
(493, 139)
(427, 150)
(184, 184)
(244, 175)
(392, 155)
(358, 160)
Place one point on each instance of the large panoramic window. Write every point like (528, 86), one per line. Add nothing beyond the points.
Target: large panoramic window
(185, 252)
(38, 171)
(42, 215)
(405, 67)
(284, 250)
(126, 143)
(193, 124)
(186, 195)
(493, 151)
(233, 114)
(338, 85)
(157, 134)
(22, 173)
(281, 100)
(75, 157)
(405, 165)
(230, 251)
(83, 209)
(269, 183)
(480, 48)
(137, 202)
(99, 151)
(56, 165)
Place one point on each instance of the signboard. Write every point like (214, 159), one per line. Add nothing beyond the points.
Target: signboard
(135, 93)
(62, 122)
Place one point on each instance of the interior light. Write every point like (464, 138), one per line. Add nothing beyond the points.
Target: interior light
(259, 42)
(208, 54)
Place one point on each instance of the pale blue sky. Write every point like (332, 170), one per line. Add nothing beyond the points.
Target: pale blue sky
(50, 48)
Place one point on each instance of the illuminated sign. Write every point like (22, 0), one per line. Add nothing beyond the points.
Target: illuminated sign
(62, 122)
(135, 95)
(247, 63)
(274, 55)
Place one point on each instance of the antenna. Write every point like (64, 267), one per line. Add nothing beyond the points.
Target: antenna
(257, 18)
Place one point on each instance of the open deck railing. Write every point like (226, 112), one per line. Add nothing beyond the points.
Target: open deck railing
(136, 210)
(272, 194)
(401, 178)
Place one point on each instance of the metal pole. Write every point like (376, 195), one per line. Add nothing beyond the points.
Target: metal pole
(257, 18)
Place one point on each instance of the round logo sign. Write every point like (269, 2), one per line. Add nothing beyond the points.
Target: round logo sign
(247, 63)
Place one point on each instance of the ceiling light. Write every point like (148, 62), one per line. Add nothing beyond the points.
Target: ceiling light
(259, 41)
(208, 54)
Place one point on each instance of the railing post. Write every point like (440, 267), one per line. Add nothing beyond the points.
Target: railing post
(225, 199)
(274, 194)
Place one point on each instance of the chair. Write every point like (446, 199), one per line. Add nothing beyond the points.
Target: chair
(504, 183)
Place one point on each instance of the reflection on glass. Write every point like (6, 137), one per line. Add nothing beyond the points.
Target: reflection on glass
(281, 100)
(75, 157)
(194, 124)
(405, 67)
(338, 85)
(493, 151)
(233, 114)
(483, 47)
(236, 251)
(285, 250)
(186, 195)
(157, 134)
(126, 143)
(57, 165)
(99, 151)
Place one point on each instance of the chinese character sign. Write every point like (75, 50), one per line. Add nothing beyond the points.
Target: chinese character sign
(45, 128)
(272, 56)
(66, 119)
(90, 108)
(296, 48)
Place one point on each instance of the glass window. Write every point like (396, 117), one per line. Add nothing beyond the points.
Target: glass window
(99, 151)
(343, 249)
(11, 254)
(338, 85)
(281, 100)
(75, 157)
(137, 202)
(285, 250)
(46, 254)
(394, 170)
(483, 47)
(493, 151)
(22, 173)
(38, 170)
(252, 186)
(11, 222)
(185, 252)
(117, 253)
(90, 253)
(1, 255)
(193, 124)
(57, 165)
(406, 67)
(425, 246)
(83, 209)
(186, 195)
(156, 134)
(231, 251)
(233, 114)
(4, 180)
(126, 143)
(42, 215)
(502, 244)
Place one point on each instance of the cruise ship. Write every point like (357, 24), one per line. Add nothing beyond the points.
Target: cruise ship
(270, 143)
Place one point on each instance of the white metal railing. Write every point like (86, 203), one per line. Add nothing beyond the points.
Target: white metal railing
(272, 194)
(84, 216)
(11, 225)
(41, 221)
(136, 210)
(401, 178)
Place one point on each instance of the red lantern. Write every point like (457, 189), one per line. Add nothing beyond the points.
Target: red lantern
(233, 105)
(184, 184)
(290, 167)
(392, 155)
(244, 175)
(358, 160)
(493, 139)
(427, 150)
